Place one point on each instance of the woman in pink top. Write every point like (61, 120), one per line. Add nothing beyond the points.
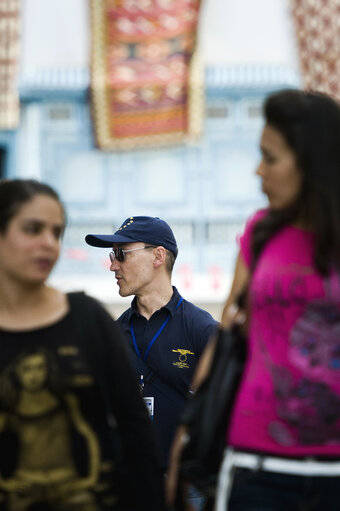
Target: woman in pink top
(284, 434)
(287, 414)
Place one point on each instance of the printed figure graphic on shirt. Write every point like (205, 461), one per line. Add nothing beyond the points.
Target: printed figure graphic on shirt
(37, 420)
(308, 406)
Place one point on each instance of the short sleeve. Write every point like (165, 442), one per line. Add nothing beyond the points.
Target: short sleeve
(244, 239)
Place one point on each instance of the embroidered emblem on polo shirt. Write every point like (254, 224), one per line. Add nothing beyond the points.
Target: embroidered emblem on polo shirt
(182, 358)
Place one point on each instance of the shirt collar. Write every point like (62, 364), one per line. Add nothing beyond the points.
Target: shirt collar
(170, 306)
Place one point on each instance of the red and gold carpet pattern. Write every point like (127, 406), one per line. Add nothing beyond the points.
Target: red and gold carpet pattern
(146, 86)
(9, 54)
(317, 24)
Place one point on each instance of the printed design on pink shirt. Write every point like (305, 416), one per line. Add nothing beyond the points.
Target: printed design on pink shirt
(309, 407)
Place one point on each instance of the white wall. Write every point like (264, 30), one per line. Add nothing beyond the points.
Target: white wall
(56, 33)
(247, 31)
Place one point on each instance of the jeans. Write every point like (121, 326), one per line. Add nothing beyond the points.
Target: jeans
(196, 499)
(267, 491)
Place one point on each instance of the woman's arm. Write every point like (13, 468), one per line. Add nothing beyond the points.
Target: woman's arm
(136, 429)
(231, 313)
(85, 430)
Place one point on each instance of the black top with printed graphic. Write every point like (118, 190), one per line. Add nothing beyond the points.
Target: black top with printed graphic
(169, 365)
(61, 388)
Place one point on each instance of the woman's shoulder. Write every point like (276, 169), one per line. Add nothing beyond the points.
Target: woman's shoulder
(244, 240)
(80, 302)
(255, 218)
(91, 311)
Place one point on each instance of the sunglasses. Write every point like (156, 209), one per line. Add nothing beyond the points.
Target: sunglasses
(119, 254)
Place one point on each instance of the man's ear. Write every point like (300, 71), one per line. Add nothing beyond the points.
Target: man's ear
(160, 256)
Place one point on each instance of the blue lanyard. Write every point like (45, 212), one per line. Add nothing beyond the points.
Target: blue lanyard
(157, 334)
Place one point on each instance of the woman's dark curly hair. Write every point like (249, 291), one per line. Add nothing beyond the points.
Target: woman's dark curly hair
(310, 124)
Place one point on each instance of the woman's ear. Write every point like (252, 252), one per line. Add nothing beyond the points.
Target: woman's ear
(160, 256)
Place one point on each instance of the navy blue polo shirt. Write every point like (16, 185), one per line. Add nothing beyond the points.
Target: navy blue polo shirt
(167, 360)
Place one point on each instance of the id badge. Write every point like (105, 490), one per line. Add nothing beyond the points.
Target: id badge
(149, 401)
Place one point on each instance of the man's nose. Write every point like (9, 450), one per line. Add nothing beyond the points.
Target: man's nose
(114, 265)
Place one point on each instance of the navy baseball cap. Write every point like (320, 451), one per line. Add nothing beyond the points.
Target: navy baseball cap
(147, 229)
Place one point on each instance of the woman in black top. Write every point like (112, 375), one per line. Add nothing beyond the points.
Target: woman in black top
(65, 379)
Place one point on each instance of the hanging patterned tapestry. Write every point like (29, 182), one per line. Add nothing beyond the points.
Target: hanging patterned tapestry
(9, 54)
(146, 85)
(317, 24)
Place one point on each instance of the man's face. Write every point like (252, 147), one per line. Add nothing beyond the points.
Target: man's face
(136, 273)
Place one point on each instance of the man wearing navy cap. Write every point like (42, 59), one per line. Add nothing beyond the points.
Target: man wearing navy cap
(167, 334)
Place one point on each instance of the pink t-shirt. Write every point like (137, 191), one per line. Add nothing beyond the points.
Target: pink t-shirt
(289, 399)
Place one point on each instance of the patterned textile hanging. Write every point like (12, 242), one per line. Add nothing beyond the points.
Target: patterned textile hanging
(146, 83)
(317, 24)
(9, 54)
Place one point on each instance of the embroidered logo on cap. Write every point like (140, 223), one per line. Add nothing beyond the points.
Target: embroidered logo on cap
(125, 225)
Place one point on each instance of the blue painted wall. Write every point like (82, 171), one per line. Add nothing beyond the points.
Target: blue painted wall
(205, 190)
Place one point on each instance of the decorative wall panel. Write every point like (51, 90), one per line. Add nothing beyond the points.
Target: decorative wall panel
(317, 24)
(9, 53)
(146, 87)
